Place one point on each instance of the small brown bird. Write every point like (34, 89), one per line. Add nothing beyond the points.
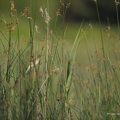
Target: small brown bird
(34, 62)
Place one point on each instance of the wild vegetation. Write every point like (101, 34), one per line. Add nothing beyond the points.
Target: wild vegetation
(41, 78)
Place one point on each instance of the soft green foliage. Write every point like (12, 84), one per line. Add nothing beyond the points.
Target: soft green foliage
(80, 82)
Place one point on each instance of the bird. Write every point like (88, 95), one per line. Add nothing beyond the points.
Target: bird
(33, 63)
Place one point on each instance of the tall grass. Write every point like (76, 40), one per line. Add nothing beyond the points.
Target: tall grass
(57, 87)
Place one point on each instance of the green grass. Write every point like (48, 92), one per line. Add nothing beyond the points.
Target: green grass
(75, 79)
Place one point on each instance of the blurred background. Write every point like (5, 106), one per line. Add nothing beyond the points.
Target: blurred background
(79, 9)
(87, 9)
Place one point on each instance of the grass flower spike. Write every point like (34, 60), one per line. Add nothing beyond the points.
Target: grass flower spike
(45, 14)
(33, 63)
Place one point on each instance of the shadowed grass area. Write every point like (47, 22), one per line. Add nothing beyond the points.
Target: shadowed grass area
(58, 73)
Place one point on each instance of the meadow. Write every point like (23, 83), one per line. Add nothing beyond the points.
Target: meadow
(58, 70)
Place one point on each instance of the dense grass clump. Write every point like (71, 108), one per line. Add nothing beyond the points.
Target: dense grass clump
(40, 78)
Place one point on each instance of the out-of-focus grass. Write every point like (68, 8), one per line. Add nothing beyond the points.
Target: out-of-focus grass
(90, 33)
(59, 87)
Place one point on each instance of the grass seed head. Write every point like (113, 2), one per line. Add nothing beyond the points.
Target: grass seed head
(95, 0)
(116, 2)
(45, 14)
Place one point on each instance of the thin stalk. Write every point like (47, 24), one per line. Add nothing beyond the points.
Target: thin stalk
(19, 71)
(31, 37)
(76, 42)
(118, 24)
(8, 76)
(8, 61)
(2, 44)
(47, 49)
(71, 59)
(1, 95)
(88, 52)
(100, 30)
(46, 55)
(47, 40)
(102, 39)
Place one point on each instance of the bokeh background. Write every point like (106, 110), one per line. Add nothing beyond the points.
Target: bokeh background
(87, 9)
(79, 9)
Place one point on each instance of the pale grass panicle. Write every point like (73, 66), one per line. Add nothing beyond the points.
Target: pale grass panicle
(33, 63)
(47, 17)
(37, 29)
(12, 9)
(45, 14)
(117, 3)
(95, 0)
(30, 18)
(41, 10)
